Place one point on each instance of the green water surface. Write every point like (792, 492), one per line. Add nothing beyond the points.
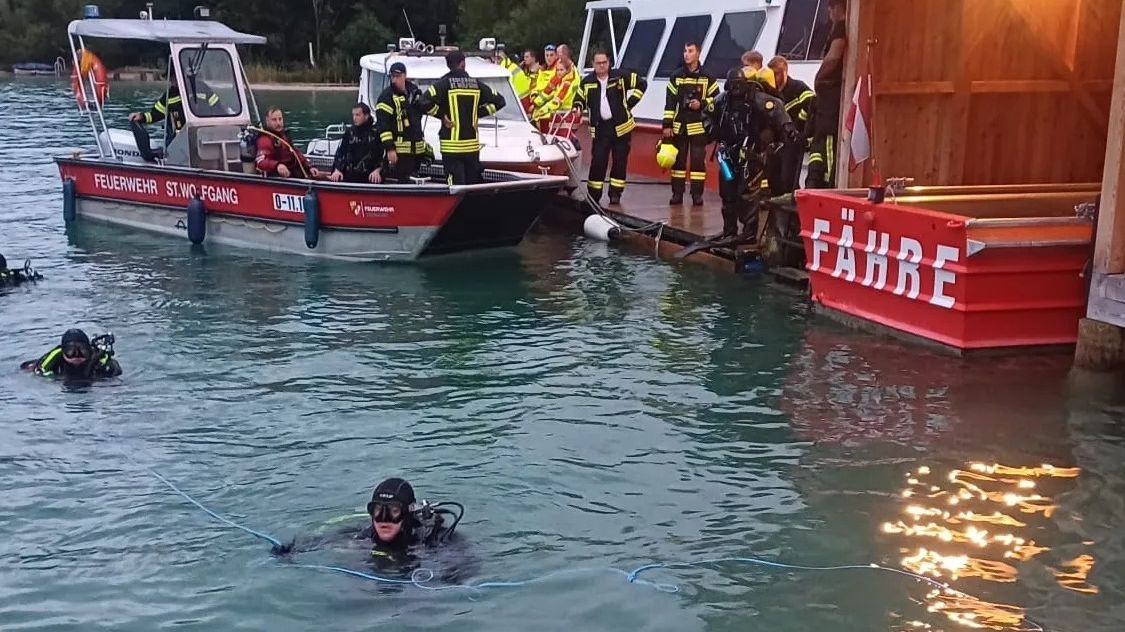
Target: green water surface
(591, 407)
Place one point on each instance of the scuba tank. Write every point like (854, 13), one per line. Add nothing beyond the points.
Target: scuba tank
(725, 169)
(248, 145)
(248, 150)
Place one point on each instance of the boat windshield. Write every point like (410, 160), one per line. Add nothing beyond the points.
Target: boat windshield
(512, 110)
(210, 80)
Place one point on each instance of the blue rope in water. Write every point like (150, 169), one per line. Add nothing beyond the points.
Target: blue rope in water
(258, 534)
(421, 577)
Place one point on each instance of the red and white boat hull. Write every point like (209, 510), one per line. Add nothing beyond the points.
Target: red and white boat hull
(357, 222)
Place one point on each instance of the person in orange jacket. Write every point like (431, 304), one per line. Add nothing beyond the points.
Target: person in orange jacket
(555, 91)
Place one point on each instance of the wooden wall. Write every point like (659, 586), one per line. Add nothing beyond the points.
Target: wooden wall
(987, 91)
(1107, 292)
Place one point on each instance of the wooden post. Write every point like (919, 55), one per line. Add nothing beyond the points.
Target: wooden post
(858, 10)
(1101, 340)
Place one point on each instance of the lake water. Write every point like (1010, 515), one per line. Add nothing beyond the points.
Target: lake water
(591, 407)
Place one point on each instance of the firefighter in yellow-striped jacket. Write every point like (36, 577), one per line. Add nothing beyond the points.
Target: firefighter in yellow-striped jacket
(799, 103)
(691, 95)
(609, 97)
(170, 105)
(398, 119)
(458, 100)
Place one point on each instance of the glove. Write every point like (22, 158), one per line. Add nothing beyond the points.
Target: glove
(792, 134)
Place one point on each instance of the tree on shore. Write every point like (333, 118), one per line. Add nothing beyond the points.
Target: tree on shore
(340, 30)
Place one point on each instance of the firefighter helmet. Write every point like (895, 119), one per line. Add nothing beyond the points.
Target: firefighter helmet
(666, 155)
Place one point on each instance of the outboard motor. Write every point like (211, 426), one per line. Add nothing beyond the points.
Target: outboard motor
(248, 149)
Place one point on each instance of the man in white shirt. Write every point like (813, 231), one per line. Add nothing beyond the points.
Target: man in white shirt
(609, 96)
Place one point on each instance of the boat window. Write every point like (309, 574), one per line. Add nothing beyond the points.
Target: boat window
(603, 37)
(738, 33)
(209, 77)
(511, 110)
(376, 86)
(642, 46)
(687, 29)
(804, 30)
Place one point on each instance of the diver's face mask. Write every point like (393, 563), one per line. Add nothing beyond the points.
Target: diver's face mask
(738, 89)
(76, 353)
(390, 511)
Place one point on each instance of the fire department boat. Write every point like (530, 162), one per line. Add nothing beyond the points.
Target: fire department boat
(199, 186)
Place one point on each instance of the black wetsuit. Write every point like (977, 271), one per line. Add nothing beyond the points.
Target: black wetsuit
(436, 549)
(748, 120)
(360, 152)
(99, 365)
(11, 278)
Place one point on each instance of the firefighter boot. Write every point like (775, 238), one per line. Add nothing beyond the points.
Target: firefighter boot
(730, 221)
(678, 186)
(697, 193)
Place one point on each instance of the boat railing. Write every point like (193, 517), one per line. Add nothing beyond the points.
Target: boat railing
(89, 102)
(60, 66)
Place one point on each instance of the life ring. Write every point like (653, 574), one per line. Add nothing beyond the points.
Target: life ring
(90, 63)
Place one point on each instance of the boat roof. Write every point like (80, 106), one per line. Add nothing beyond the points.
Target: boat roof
(677, 8)
(430, 66)
(171, 31)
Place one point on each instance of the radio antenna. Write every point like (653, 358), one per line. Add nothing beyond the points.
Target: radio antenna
(408, 27)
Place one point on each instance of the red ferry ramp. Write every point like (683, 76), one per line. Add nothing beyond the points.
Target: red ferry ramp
(979, 268)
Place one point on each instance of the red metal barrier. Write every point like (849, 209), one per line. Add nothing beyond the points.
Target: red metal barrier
(964, 282)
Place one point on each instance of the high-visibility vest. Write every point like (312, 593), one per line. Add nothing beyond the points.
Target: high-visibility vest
(556, 92)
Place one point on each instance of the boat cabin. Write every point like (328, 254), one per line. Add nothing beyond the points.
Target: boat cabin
(648, 37)
(204, 68)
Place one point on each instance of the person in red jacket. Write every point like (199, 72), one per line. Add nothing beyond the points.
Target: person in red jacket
(276, 154)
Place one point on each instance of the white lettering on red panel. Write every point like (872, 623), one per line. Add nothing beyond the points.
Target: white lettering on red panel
(125, 184)
(871, 256)
(206, 192)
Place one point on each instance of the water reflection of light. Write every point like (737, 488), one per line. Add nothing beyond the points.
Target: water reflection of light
(1075, 576)
(965, 520)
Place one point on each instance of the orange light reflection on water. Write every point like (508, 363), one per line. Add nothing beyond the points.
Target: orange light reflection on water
(967, 520)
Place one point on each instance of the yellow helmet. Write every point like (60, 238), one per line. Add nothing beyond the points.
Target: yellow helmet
(666, 155)
(765, 77)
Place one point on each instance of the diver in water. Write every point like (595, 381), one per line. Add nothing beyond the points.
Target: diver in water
(399, 521)
(404, 534)
(77, 357)
(10, 277)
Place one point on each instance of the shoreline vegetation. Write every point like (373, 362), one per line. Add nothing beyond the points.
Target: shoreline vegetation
(261, 76)
(334, 34)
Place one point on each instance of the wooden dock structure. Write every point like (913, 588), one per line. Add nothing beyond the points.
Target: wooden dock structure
(654, 225)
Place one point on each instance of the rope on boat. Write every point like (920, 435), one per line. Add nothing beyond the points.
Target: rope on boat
(598, 207)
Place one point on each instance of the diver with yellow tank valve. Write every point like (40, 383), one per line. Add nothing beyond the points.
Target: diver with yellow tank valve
(750, 125)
